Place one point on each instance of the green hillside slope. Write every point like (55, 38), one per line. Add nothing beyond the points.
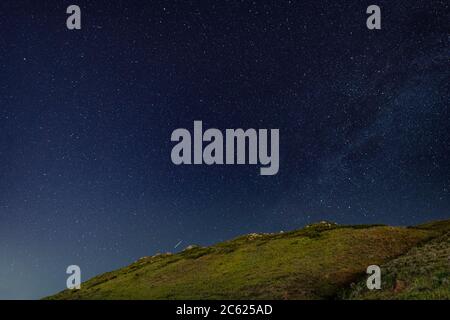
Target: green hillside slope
(312, 263)
(422, 273)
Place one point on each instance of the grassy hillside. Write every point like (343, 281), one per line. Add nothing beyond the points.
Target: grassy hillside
(422, 273)
(312, 263)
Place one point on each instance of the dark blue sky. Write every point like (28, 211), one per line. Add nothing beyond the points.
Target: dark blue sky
(86, 118)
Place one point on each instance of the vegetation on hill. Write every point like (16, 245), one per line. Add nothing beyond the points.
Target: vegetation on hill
(422, 273)
(316, 262)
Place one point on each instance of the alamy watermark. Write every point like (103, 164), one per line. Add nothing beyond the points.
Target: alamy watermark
(73, 22)
(374, 280)
(236, 147)
(74, 280)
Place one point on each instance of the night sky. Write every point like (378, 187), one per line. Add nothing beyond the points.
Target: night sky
(86, 118)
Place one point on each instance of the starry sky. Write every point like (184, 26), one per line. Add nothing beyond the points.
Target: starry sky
(86, 118)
